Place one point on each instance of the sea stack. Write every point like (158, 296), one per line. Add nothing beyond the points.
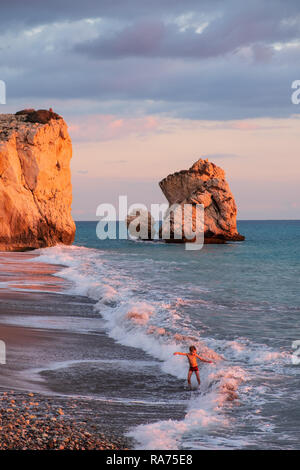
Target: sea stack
(35, 181)
(140, 224)
(205, 183)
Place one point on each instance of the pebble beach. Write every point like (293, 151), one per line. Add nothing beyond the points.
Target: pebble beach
(33, 422)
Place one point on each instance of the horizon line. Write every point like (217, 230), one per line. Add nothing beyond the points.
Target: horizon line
(238, 220)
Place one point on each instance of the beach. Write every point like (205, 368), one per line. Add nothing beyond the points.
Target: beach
(45, 330)
(39, 420)
(150, 207)
(36, 422)
(91, 329)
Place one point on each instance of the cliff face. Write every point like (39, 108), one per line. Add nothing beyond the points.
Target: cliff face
(204, 183)
(35, 181)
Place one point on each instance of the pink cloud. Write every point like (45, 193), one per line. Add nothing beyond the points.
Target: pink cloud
(255, 126)
(102, 127)
(245, 126)
(242, 125)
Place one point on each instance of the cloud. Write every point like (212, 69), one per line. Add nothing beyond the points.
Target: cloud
(110, 127)
(195, 60)
(245, 126)
(33, 12)
(253, 26)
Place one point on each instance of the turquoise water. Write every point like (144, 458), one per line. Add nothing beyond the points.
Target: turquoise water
(255, 279)
(238, 303)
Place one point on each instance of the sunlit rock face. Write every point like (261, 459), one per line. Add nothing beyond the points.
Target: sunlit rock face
(140, 224)
(204, 183)
(35, 181)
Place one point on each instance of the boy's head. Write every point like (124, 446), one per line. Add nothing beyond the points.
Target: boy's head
(192, 349)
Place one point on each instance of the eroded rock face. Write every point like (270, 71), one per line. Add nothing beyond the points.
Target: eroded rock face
(140, 224)
(204, 183)
(35, 181)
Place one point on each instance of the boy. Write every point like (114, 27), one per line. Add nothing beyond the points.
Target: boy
(192, 357)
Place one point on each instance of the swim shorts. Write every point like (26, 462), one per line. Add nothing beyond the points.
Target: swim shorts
(194, 369)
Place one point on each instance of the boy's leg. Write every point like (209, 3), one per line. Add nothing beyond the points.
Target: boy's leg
(198, 377)
(189, 377)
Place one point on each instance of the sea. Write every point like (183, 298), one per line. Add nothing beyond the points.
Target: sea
(238, 303)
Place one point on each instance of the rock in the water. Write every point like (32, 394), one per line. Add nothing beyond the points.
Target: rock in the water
(140, 224)
(35, 181)
(204, 183)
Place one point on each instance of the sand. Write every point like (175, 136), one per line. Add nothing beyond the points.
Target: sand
(28, 419)
(57, 348)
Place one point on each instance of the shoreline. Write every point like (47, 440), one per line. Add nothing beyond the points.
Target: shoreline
(58, 349)
(31, 416)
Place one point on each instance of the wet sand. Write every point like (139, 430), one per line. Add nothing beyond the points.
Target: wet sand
(57, 348)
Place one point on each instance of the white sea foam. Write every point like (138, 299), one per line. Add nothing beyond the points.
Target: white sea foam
(158, 328)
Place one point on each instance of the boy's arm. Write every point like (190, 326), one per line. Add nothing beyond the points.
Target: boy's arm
(204, 360)
(179, 354)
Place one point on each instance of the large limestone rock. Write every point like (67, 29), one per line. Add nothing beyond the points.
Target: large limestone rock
(35, 181)
(204, 183)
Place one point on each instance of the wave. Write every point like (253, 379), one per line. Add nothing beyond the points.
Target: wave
(136, 317)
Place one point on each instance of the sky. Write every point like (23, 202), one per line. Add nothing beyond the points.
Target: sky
(148, 87)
